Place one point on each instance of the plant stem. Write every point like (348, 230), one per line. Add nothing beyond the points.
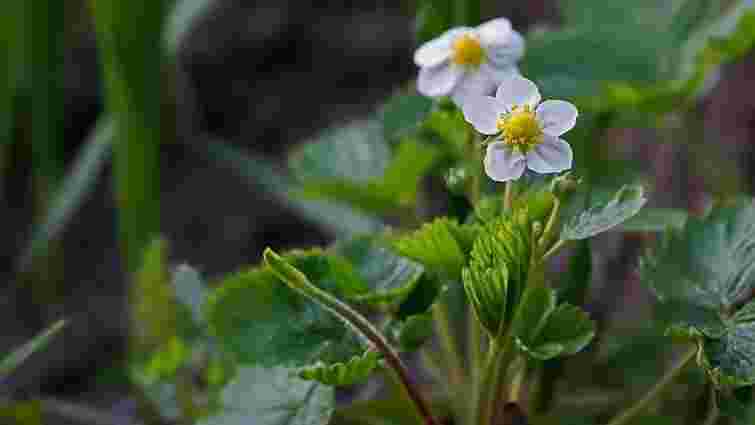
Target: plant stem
(507, 196)
(448, 343)
(552, 219)
(476, 358)
(297, 281)
(638, 407)
(556, 246)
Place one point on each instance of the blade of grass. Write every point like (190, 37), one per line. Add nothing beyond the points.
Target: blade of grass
(20, 354)
(129, 36)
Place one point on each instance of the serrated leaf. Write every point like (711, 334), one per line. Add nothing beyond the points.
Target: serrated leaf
(568, 328)
(442, 246)
(354, 371)
(538, 303)
(390, 277)
(11, 361)
(655, 220)
(274, 396)
(263, 322)
(701, 272)
(731, 358)
(627, 202)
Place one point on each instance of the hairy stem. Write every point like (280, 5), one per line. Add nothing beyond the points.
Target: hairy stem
(640, 405)
(508, 196)
(297, 281)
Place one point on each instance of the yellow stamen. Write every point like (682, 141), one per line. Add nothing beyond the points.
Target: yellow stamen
(520, 129)
(467, 51)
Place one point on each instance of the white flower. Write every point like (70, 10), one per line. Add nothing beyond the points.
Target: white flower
(469, 61)
(527, 131)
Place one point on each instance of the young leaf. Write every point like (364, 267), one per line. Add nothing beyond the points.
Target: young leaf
(390, 277)
(567, 331)
(626, 203)
(273, 396)
(264, 322)
(19, 355)
(354, 371)
(441, 246)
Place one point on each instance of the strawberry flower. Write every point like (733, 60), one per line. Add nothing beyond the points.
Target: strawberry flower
(527, 132)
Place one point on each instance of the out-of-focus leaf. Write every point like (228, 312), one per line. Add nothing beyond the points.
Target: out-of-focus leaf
(627, 202)
(574, 287)
(433, 18)
(452, 129)
(389, 276)
(412, 332)
(354, 371)
(655, 220)
(19, 355)
(356, 152)
(421, 298)
(273, 396)
(731, 358)
(402, 114)
(190, 289)
(154, 304)
(406, 169)
(739, 407)
(263, 322)
(22, 413)
(75, 188)
(260, 172)
(567, 331)
(182, 17)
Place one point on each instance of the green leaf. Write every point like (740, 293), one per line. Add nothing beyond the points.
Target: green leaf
(655, 220)
(11, 361)
(441, 246)
(190, 290)
(627, 202)
(421, 298)
(402, 114)
(154, 307)
(404, 173)
(567, 331)
(538, 303)
(264, 322)
(412, 332)
(274, 396)
(577, 282)
(700, 273)
(731, 358)
(390, 277)
(356, 152)
(354, 371)
(452, 129)
(498, 272)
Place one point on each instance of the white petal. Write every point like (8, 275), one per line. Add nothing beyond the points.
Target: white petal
(556, 116)
(482, 113)
(518, 91)
(495, 31)
(503, 163)
(479, 82)
(438, 80)
(438, 49)
(501, 74)
(507, 53)
(553, 155)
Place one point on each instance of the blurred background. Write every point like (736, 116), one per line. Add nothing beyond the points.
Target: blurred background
(234, 86)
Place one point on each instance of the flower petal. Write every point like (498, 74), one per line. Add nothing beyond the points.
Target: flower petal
(518, 91)
(553, 155)
(495, 31)
(482, 113)
(438, 49)
(556, 116)
(474, 83)
(502, 163)
(507, 53)
(438, 80)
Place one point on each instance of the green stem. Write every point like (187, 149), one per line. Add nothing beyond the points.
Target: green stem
(640, 405)
(550, 225)
(297, 281)
(555, 248)
(448, 343)
(501, 355)
(508, 195)
(476, 359)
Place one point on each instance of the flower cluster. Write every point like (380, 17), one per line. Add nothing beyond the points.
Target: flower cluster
(469, 64)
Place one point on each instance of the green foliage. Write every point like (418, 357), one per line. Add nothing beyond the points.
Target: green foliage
(564, 331)
(700, 276)
(574, 287)
(412, 332)
(496, 275)
(655, 220)
(354, 371)
(421, 298)
(263, 322)
(442, 246)
(22, 413)
(403, 113)
(278, 397)
(627, 202)
(390, 277)
(11, 361)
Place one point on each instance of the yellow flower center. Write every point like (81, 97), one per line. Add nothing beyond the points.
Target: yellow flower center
(467, 51)
(520, 129)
